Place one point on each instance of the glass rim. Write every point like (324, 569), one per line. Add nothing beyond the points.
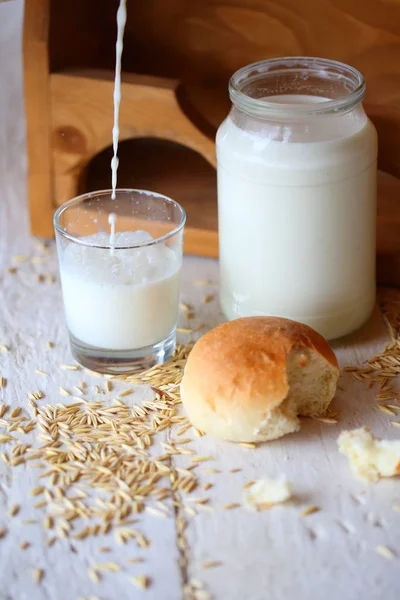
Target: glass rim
(259, 106)
(77, 199)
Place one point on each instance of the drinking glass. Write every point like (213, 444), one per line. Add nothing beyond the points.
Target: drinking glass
(120, 288)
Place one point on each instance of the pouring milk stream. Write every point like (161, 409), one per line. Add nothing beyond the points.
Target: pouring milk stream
(126, 299)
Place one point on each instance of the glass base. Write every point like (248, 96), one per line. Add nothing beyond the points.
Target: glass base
(122, 362)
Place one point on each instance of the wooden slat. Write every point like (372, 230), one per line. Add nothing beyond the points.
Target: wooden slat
(82, 109)
(38, 114)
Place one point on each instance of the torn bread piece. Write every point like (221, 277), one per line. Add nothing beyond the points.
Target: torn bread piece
(370, 457)
(249, 379)
(267, 492)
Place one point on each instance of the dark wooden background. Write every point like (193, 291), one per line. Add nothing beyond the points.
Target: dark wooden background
(201, 43)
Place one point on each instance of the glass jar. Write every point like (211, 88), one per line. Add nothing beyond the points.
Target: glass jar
(297, 195)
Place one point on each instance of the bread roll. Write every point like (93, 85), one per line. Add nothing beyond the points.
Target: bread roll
(248, 379)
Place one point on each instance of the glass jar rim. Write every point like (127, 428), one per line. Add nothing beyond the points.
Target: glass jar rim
(78, 240)
(287, 64)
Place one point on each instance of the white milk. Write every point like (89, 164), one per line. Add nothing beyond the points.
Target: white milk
(297, 225)
(121, 21)
(124, 301)
(112, 219)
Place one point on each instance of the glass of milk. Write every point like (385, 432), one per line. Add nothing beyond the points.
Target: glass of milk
(297, 195)
(120, 262)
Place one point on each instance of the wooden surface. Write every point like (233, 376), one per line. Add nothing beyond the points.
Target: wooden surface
(81, 113)
(38, 116)
(274, 555)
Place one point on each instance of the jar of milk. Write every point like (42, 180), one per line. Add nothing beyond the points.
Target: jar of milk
(297, 195)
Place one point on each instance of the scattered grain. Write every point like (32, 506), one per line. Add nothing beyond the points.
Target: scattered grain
(70, 367)
(24, 545)
(39, 372)
(3, 382)
(106, 448)
(210, 564)
(385, 552)
(247, 445)
(94, 575)
(197, 459)
(309, 510)
(6, 438)
(14, 510)
(126, 393)
(38, 575)
(63, 391)
(50, 541)
(29, 521)
(184, 306)
(230, 506)
(108, 567)
(43, 246)
(326, 420)
(202, 595)
(78, 389)
(135, 560)
(387, 410)
(141, 581)
(3, 532)
(19, 258)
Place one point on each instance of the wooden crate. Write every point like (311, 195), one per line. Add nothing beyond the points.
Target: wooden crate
(177, 60)
(69, 115)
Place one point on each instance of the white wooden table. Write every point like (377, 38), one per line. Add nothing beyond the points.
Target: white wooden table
(271, 555)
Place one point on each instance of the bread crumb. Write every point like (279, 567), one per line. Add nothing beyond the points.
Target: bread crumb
(370, 457)
(302, 360)
(266, 492)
